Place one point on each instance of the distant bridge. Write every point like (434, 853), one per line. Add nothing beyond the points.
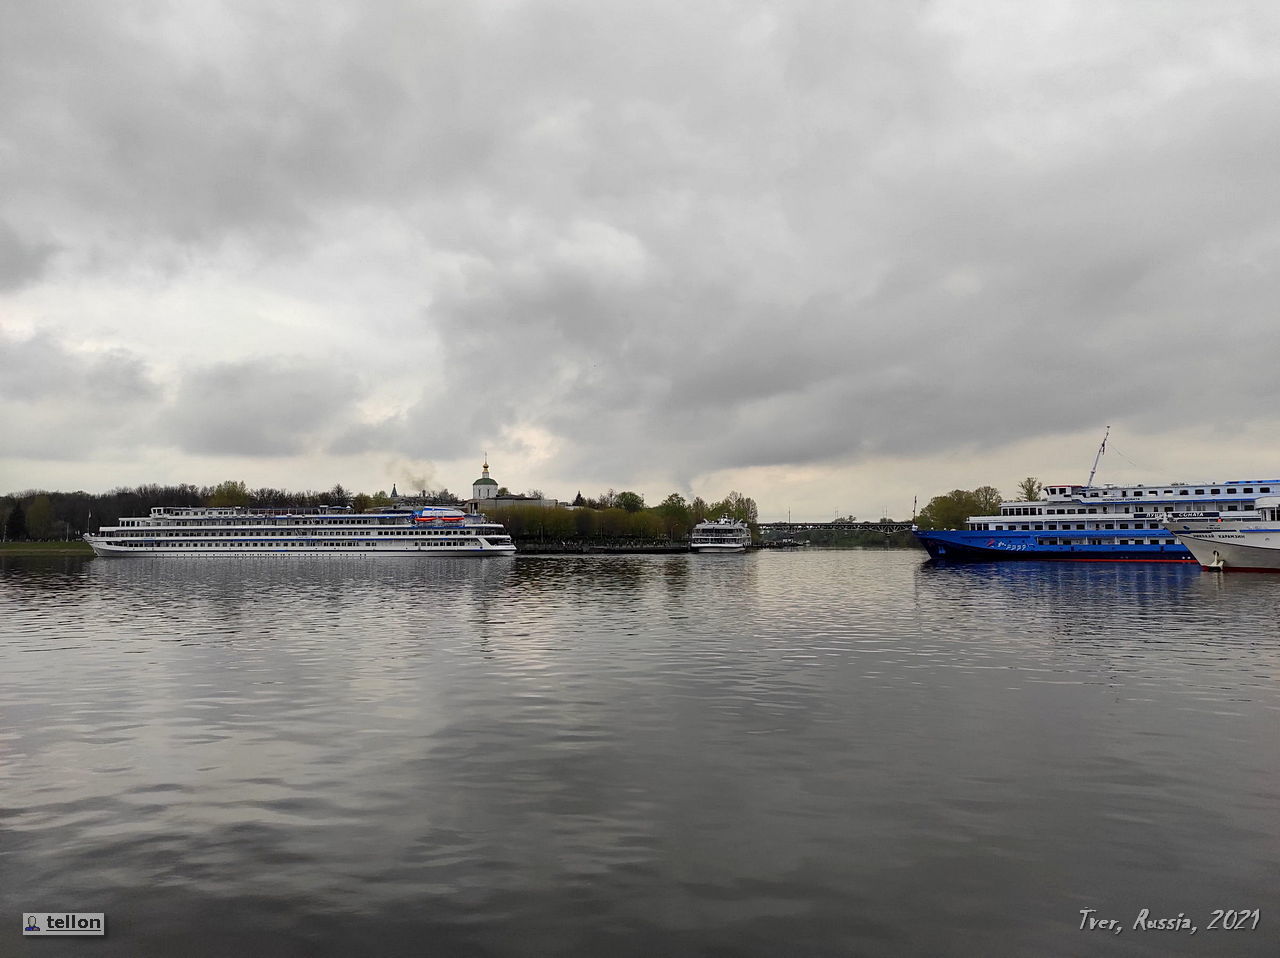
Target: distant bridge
(790, 528)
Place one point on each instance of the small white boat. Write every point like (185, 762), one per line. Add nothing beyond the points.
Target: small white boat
(720, 535)
(1242, 542)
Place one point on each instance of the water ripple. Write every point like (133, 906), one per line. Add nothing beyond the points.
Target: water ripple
(781, 753)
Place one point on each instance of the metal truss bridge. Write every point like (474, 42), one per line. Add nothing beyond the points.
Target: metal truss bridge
(790, 528)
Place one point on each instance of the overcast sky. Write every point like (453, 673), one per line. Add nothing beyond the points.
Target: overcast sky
(833, 255)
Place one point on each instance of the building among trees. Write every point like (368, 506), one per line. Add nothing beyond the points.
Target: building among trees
(487, 494)
(484, 487)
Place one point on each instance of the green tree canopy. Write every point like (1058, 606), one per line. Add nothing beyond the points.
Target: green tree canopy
(674, 501)
(15, 526)
(40, 517)
(740, 507)
(630, 501)
(951, 511)
(987, 499)
(676, 516)
(230, 493)
(1029, 489)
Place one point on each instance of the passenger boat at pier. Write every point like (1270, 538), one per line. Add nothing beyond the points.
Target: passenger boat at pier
(1248, 542)
(720, 535)
(1087, 523)
(326, 530)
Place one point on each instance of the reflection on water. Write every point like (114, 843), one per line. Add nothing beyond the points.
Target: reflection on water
(817, 752)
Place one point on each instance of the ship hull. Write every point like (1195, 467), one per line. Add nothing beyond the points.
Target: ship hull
(108, 550)
(966, 546)
(1234, 555)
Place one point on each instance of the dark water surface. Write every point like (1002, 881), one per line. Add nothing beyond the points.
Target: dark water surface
(815, 753)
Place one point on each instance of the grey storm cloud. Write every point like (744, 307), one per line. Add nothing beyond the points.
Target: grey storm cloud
(21, 261)
(260, 407)
(706, 236)
(61, 403)
(41, 367)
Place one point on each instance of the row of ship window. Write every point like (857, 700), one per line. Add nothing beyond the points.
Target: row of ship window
(1040, 526)
(1093, 510)
(279, 543)
(1138, 493)
(287, 523)
(322, 533)
(1102, 542)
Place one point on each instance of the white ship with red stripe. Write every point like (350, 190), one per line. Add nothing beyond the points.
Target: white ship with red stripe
(326, 530)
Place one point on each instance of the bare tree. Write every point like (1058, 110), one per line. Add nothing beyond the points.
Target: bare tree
(1029, 489)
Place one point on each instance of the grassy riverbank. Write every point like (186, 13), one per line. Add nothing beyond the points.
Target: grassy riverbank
(70, 548)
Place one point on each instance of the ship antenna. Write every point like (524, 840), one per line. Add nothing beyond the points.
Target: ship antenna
(1096, 458)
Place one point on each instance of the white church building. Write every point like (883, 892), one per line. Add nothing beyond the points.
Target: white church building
(484, 495)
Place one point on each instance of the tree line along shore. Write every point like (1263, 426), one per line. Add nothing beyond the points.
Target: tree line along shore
(952, 510)
(612, 518)
(52, 522)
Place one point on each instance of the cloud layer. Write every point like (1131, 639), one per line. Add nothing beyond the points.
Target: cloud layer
(621, 243)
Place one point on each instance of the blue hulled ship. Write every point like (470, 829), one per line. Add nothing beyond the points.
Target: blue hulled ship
(1088, 523)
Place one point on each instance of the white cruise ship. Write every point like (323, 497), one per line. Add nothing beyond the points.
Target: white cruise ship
(1088, 523)
(720, 535)
(1242, 542)
(327, 530)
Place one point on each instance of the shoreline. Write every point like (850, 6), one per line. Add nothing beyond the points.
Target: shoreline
(63, 549)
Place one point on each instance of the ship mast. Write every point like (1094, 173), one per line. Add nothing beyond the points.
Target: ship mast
(1098, 457)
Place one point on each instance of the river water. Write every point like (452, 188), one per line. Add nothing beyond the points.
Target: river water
(774, 754)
